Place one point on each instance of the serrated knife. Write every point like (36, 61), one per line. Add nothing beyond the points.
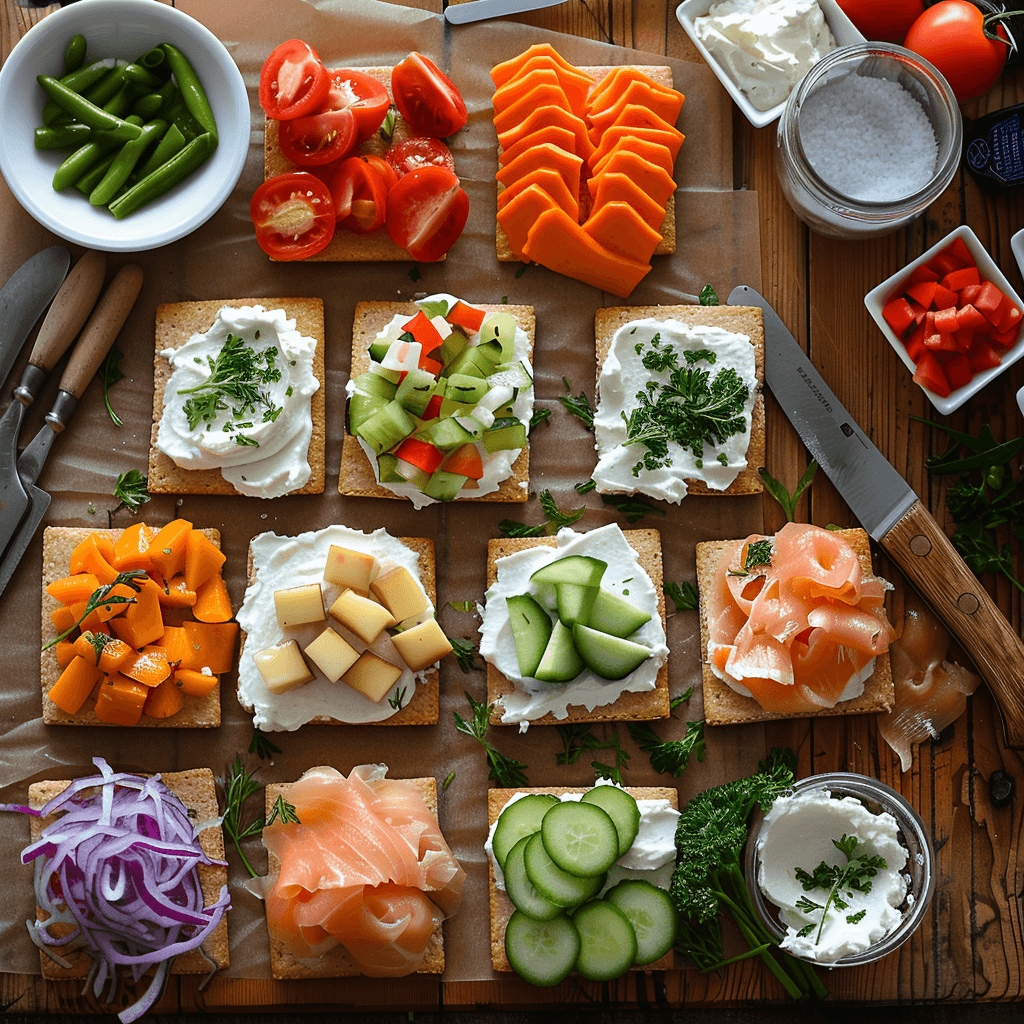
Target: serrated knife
(893, 515)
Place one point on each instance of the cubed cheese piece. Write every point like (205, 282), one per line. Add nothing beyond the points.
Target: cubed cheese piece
(332, 654)
(282, 667)
(362, 615)
(350, 570)
(372, 676)
(414, 620)
(400, 593)
(299, 606)
(422, 645)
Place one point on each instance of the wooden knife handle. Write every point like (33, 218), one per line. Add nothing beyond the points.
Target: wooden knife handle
(69, 310)
(920, 548)
(102, 328)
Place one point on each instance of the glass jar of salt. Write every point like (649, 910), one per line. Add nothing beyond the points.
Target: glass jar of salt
(868, 139)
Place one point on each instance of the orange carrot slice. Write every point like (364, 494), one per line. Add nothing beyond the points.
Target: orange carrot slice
(65, 652)
(75, 684)
(120, 700)
(552, 183)
(95, 554)
(193, 683)
(567, 165)
(212, 601)
(202, 559)
(149, 666)
(175, 594)
(131, 549)
(561, 137)
(168, 548)
(175, 643)
(108, 654)
(517, 216)
(142, 622)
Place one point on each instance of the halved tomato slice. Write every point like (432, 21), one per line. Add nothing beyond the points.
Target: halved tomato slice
(318, 139)
(293, 82)
(410, 154)
(427, 98)
(379, 164)
(293, 215)
(360, 195)
(362, 94)
(426, 212)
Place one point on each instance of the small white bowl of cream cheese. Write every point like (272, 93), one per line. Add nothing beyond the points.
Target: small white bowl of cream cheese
(760, 49)
(840, 870)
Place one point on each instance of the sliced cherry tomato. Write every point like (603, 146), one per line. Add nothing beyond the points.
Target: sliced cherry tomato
(293, 215)
(409, 154)
(426, 212)
(379, 164)
(293, 82)
(360, 195)
(426, 98)
(362, 94)
(882, 19)
(318, 139)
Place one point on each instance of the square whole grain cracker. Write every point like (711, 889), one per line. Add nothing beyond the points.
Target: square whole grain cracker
(58, 544)
(630, 707)
(336, 963)
(501, 905)
(422, 709)
(662, 75)
(356, 476)
(196, 789)
(347, 246)
(724, 706)
(748, 320)
(176, 322)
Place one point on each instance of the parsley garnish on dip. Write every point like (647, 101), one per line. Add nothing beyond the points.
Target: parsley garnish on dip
(238, 400)
(675, 404)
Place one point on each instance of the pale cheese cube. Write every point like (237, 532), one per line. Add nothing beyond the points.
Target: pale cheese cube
(350, 570)
(299, 606)
(400, 593)
(332, 654)
(283, 667)
(372, 676)
(362, 615)
(422, 645)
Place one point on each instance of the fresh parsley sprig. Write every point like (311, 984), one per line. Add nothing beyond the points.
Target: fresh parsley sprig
(506, 771)
(708, 296)
(580, 407)
(110, 374)
(781, 495)
(131, 491)
(672, 756)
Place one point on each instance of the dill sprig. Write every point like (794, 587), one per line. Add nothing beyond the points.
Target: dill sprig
(240, 786)
(465, 653)
(580, 407)
(110, 374)
(672, 756)
(261, 746)
(284, 811)
(683, 595)
(506, 771)
(131, 490)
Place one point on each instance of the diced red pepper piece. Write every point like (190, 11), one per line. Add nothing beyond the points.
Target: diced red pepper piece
(959, 251)
(914, 342)
(930, 375)
(957, 279)
(420, 454)
(433, 409)
(430, 365)
(898, 315)
(983, 356)
(944, 298)
(944, 263)
(969, 319)
(958, 370)
(423, 331)
(941, 342)
(466, 316)
(1004, 339)
(969, 294)
(988, 300)
(929, 321)
(923, 292)
(945, 320)
(964, 339)
(917, 309)
(1009, 315)
(921, 273)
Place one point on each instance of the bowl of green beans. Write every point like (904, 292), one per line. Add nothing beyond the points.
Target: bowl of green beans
(126, 124)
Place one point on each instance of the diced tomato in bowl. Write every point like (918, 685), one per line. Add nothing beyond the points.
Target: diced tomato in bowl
(952, 318)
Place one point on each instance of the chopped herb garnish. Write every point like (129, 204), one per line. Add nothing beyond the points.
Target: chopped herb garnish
(447, 782)
(131, 491)
(513, 528)
(683, 595)
(580, 407)
(284, 811)
(261, 746)
(110, 374)
(577, 738)
(387, 127)
(671, 756)
(781, 495)
(462, 606)
(398, 700)
(414, 274)
(634, 509)
(555, 517)
(708, 296)
(538, 417)
(522, 270)
(240, 786)
(504, 770)
(465, 653)
(104, 596)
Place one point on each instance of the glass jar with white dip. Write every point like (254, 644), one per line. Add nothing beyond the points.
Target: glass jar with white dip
(817, 145)
(877, 798)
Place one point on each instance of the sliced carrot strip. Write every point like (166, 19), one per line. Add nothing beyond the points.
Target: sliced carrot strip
(64, 617)
(75, 684)
(142, 622)
(168, 548)
(175, 643)
(202, 559)
(73, 589)
(95, 554)
(175, 594)
(65, 651)
(621, 230)
(131, 549)
(108, 654)
(111, 609)
(194, 684)
(552, 183)
(518, 215)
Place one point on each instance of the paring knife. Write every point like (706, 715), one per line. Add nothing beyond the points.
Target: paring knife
(893, 515)
(93, 344)
(479, 10)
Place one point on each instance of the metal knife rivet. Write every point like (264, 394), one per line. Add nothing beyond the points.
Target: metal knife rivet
(920, 545)
(968, 603)
(847, 429)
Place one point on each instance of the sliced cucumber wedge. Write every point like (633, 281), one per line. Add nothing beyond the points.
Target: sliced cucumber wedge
(622, 808)
(554, 884)
(608, 943)
(541, 952)
(574, 602)
(531, 630)
(517, 820)
(651, 913)
(611, 657)
(561, 663)
(579, 569)
(580, 838)
(521, 891)
(616, 615)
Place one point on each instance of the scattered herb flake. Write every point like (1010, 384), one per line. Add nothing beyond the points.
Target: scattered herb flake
(462, 606)
(586, 487)
(672, 756)
(634, 509)
(465, 653)
(414, 274)
(131, 491)
(449, 778)
(284, 811)
(579, 407)
(387, 128)
(110, 374)
(781, 495)
(539, 416)
(708, 296)
(261, 746)
(504, 770)
(683, 595)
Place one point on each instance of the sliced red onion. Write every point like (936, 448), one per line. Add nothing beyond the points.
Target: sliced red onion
(119, 865)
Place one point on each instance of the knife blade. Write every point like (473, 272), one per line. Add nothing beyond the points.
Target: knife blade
(479, 10)
(893, 515)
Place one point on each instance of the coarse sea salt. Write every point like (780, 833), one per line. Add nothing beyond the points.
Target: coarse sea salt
(868, 138)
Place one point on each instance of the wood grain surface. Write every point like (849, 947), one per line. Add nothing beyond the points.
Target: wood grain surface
(970, 947)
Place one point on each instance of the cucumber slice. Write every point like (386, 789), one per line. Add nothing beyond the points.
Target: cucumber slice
(651, 913)
(442, 485)
(461, 387)
(374, 384)
(621, 808)
(519, 820)
(611, 657)
(498, 331)
(579, 569)
(541, 952)
(615, 615)
(521, 891)
(361, 407)
(574, 602)
(554, 884)
(531, 630)
(607, 941)
(385, 428)
(379, 349)
(509, 436)
(560, 663)
(580, 838)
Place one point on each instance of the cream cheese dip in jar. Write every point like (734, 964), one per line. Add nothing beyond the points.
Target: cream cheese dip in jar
(869, 138)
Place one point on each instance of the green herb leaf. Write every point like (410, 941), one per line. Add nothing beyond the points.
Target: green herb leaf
(634, 509)
(104, 596)
(522, 270)
(586, 487)
(683, 595)
(465, 653)
(514, 528)
(462, 606)
(681, 699)
(672, 756)
(708, 296)
(131, 492)
(283, 811)
(506, 771)
(579, 407)
(781, 495)
(261, 746)
(110, 374)
(239, 787)
(539, 416)
(555, 516)
(387, 128)
(414, 274)
(447, 782)
(577, 738)
(398, 700)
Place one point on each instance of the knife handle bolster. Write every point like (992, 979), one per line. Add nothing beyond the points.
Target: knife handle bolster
(922, 550)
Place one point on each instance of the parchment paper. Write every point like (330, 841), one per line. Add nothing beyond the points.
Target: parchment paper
(717, 240)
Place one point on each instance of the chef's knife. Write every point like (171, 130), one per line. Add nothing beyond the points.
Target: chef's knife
(24, 297)
(93, 344)
(479, 10)
(893, 515)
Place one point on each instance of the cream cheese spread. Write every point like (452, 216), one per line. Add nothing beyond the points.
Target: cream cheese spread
(765, 46)
(264, 452)
(652, 857)
(624, 576)
(283, 562)
(798, 832)
(497, 466)
(624, 375)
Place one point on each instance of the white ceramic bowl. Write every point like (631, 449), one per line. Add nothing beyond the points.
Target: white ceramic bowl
(842, 28)
(124, 29)
(890, 288)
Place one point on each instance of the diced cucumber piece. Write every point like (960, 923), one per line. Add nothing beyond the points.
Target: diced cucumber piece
(518, 820)
(506, 438)
(361, 407)
(505, 412)
(451, 347)
(471, 425)
(531, 630)
(411, 474)
(463, 388)
(446, 434)
(580, 569)
(574, 602)
(622, 808)
(379, 349)
(384, 429)
(607, 941)
(387, 469)
(616, 615)
(515, 375)
(442, 485)
(497, 396)
(391, 376)
(611, 657)
(580, 838)
(554, 884)
(499, 331)
(470, 361)
(651, 913)
(482, 416)
(541, 952)
(560, 663)
(521, 891)
(449, 407)
(416, 390)
(374, 384)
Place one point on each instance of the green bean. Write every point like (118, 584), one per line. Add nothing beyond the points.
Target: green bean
(88, 113)
(172, 142)
(115, 138)
(79, 80)
(92, 177)
(191, 88)
(139, 75)
(124, 162)
(120, 102)
(78, 163)
(62, 136)
(152, 58)
(106, 86)
(146, 106)
(164, 178)
(74, 54)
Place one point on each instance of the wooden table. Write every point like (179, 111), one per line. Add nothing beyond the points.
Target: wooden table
(971, 946)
